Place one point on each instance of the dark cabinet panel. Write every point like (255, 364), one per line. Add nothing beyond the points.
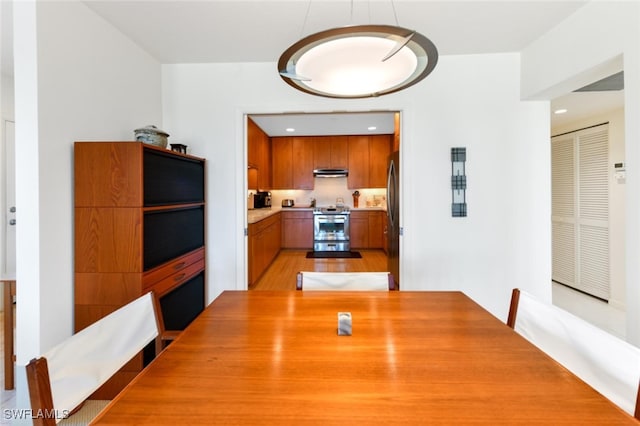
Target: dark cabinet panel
(169, 179)
(171, 233)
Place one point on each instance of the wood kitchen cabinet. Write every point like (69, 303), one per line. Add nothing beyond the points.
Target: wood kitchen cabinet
(264, 245)
(368, 161)
(297, 229)
(359, 230)
(366, 229)
(377, 221)
(139, 214)
(358, 162)
(379, 150)
(330, 152)
(292, 163)
(258, 157)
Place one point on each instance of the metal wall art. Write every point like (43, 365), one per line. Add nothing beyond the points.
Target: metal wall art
(458, 182)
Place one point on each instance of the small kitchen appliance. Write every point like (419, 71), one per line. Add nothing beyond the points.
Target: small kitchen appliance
(261, 200)
(288, 203)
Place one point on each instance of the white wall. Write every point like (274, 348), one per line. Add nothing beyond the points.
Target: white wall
(617, 204)
(6, 113)
(470, 101)
(77, 78)
(7, 97)
(572, 54)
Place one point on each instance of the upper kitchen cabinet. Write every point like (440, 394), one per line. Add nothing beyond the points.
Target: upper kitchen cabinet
(379, 150)
(368, 161)
(258, 157)
(292, 163)
(330, 152)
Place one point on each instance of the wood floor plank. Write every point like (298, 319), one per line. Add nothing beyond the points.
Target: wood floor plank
(281, 275)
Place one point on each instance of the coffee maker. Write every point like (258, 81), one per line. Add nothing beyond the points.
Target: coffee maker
(261, 200)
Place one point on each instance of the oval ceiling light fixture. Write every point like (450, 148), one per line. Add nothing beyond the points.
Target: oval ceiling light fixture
(358, 61)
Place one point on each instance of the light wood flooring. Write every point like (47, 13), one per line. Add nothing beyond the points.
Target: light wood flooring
(281, 275)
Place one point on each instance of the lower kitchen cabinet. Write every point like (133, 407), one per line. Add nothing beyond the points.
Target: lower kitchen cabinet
(376, 229)
(359, 230)
(264, 245)
(297, 230)
(366, 229)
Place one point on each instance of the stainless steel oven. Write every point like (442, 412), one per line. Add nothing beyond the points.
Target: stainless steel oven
(331, 229)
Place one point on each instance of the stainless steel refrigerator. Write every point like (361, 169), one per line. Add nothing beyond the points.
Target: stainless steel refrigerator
(393, 215)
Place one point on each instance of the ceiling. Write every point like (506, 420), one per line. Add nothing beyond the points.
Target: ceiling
(260, 30)
(326, 124)
(208, 31)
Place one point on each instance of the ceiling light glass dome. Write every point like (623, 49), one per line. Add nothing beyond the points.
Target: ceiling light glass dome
(358, 61)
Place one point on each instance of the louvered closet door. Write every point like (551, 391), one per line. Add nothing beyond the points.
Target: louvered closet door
(580, 209)
(593, 149)
(563, 210)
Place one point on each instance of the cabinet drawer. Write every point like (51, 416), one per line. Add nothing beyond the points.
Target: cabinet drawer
(297, 215)
(177, 265)
(359, 215)
(265, 223)
(174, 280)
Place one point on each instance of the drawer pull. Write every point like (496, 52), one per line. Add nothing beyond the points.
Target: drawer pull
(179, 277)
(179, 266)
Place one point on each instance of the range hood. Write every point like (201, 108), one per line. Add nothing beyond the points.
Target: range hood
(331, 173)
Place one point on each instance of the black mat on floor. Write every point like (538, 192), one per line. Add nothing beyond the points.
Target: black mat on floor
(333, 255)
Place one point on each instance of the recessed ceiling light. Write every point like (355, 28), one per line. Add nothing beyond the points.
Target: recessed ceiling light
(371, 128)
(290, 129)
(560, 111)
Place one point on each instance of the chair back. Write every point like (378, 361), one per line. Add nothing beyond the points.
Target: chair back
(608, 364)
(347, 281)
(70, 372)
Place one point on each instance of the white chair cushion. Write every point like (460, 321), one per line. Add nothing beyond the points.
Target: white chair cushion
(348, 281)
(608, 364)
(85, 361)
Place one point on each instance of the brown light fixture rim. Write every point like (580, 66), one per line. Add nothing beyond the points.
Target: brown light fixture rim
(423, 48)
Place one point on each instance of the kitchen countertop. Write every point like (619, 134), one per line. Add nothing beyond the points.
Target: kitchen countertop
(256, 215)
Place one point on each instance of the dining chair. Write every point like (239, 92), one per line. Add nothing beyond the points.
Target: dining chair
(608, 364)
(65, 376)
(348, 281)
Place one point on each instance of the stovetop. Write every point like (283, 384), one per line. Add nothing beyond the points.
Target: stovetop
(331, 210)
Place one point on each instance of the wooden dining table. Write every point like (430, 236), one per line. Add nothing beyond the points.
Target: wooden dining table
(275, 358)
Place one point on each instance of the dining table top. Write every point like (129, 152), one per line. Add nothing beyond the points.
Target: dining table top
(275, 357)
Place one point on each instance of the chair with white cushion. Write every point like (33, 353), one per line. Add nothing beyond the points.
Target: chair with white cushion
(65, 376)
(348, 281)
(608, 364)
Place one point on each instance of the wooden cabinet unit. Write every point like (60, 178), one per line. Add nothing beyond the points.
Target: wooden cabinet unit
(330, 152)
(258, 157)
(292, 163)
(302, 171)
(282, 163)
(358, 162)
(359, 230)
(368, 161)
(297, 229)
(139, 226)
(366, 229)
(377, 221)
(264, 245)
(379, 150)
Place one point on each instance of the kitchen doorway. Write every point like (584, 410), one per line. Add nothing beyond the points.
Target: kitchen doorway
(317, 142)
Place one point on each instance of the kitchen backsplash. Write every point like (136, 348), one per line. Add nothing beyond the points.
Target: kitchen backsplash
(327, 191)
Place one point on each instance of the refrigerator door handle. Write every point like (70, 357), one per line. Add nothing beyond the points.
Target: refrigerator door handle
(391, 175)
